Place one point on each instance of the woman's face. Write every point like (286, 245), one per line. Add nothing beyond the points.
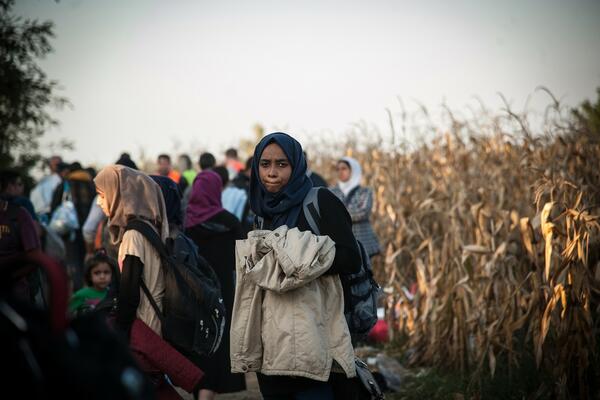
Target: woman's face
(274, 168)
(343, 171)
(102, 202)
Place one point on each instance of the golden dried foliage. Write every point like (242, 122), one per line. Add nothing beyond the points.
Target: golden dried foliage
(498, 231)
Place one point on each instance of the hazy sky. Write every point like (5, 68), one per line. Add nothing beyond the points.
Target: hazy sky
(147, 74)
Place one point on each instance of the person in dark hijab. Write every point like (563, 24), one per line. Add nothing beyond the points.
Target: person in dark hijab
(172, 197)
(316, 179)
(277, 194)
(126, 160)
(214, 230)
(278, 186)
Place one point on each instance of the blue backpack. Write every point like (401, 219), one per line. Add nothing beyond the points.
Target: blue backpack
(363, 290)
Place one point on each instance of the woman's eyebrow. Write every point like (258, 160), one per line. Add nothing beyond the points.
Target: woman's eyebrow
(278, 160)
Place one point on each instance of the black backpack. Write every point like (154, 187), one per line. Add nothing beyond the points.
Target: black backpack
(193, 316)
(363, 290)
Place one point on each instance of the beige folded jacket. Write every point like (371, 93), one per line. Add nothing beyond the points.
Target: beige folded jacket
(288, 318)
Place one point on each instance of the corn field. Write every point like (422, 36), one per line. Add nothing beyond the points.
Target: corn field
(496, 227)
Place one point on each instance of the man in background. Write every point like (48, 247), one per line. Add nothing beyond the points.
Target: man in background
(184, 164)
(315, 178)
(41, 195)
(207, 161)
(12, 190)
(233, 163)
(165, 168)
(233, 198)
(242, 181)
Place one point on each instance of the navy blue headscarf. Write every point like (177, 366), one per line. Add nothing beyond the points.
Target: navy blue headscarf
(283, 207)
(172, 197)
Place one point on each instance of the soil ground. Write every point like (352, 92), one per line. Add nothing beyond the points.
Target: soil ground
(252, 392)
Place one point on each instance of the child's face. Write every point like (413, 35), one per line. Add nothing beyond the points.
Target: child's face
(101, 276)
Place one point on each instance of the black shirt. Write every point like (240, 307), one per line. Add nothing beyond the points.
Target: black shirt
(317, 180)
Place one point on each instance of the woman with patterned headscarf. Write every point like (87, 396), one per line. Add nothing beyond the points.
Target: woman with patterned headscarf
(359, 202)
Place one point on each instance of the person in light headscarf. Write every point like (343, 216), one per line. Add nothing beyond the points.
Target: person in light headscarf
(359, 202)
(125, 194)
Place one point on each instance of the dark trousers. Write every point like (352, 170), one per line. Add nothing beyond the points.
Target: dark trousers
(320, 391)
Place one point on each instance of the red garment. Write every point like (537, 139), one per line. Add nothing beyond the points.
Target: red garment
(380, 332)
(175, 176)
(156, 356)
(18, 236)
(235, 165)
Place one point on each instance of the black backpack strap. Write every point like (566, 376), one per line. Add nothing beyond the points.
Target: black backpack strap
(151, 300)
(312, 213)
(150, 234)
(215, 227)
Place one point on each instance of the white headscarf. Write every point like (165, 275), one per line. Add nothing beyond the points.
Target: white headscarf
(355, 176)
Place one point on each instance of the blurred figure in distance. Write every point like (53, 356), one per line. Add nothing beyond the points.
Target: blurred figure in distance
(165, 168)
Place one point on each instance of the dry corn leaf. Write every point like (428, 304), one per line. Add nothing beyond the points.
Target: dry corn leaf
(545, 325)
(476, 249)
(563, 299)
(527, 236)
(492, 361)
(501, 250)
(421, 276)
(547, 232)
(390, 258)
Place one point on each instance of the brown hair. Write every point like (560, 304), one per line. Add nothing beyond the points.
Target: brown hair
(97, 259)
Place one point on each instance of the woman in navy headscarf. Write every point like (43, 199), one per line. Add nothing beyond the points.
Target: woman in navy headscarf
(278, 186)
(172, 196)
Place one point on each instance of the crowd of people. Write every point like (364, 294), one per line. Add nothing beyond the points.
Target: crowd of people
(247, 221)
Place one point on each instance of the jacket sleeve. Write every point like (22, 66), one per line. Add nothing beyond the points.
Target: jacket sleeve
(246, 347)
(129, 292)
(360, 207)
(294, 259)
(336, 223)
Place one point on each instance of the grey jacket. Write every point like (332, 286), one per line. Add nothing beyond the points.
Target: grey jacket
(288, 318)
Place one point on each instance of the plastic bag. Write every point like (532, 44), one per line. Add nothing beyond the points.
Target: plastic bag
(393, 372)
(53, 243)
(369, 383)
(64, 219)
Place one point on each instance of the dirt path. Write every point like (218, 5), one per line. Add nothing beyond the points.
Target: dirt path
(251, 394)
